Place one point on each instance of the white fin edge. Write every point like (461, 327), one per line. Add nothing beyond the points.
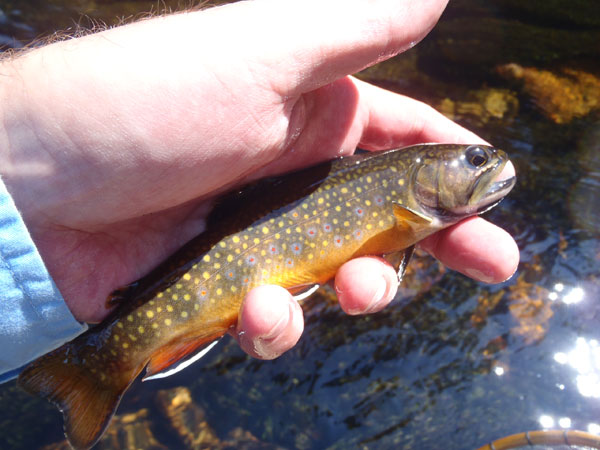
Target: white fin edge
(182, 365)
(307, 293)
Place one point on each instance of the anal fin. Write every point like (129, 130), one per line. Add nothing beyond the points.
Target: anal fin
(182, 363)
(179, 350)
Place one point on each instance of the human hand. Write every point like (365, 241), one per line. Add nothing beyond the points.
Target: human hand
(120, 140)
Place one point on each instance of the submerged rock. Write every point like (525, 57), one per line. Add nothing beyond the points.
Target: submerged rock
(130, 432)
(560, 96)
(187, 419)
(484, 104)
(529, 305)
(189, 422)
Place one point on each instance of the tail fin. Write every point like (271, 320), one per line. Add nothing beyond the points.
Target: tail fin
(87, 400)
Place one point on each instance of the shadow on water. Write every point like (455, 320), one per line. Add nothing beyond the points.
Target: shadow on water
(452, 363)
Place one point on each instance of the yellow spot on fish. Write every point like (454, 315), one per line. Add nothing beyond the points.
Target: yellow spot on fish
(196, 307)
(229, 258)
(141, 330)
(159, 310)
(169, 308)
(130, 318)
(401, 181)
(320, 201)
(184, 314)
(150, 314)
(219, 291)
(187, 297)
(359, 190)
(119, 324)
(222, 244)
(168, 322)
(206, 275)
(187, 276)
(132, 337)
(375, 214)
(206, 258)
(310, 256)
(116, 337)
(265, 230)
(368, 202)
(175, 296)
(217, 266)
(256, 240)
(338, 208)
(325, 243)
(277, 236)
(160, 294)
(280, 224)
(233, 289)
(369, 226)
(179, 285)
(244, 246)
(369, 179)
(125, 345)
(344, 190)
(236, 239)
(154, 325)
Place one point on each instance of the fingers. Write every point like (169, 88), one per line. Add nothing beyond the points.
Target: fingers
(394, 120)
(270, 322)
(307, 44)
(476, 248)
(365, 285)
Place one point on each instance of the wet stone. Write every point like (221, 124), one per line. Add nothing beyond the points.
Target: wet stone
(562, 95)
(130, 432)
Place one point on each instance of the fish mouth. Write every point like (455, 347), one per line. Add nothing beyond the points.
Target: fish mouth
(496, 193)
(497, 190)
(501, 186)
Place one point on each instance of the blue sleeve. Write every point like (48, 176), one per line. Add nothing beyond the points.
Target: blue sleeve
(34, 318)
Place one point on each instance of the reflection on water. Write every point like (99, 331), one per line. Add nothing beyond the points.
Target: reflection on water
(452, 361)
(585, 359)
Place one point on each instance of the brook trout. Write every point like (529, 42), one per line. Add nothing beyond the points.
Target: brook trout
(294, 230)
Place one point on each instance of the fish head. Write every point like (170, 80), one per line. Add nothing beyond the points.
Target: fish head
(451, 182)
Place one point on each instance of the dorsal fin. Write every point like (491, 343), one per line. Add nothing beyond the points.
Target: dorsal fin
(117, 296)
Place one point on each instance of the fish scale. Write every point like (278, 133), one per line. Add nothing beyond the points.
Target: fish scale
(295, 231)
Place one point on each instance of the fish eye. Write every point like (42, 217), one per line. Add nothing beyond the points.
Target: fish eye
(477, 156)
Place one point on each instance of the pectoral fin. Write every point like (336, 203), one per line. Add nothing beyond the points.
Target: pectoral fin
(410, 217)
(399, 260)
